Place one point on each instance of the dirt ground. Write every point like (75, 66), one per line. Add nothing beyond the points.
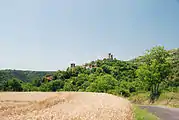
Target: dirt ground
(63, 106)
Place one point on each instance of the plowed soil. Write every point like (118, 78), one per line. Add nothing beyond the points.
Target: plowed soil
(63, 106)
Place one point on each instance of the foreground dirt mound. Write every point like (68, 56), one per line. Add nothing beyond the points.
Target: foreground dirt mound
(63, 106)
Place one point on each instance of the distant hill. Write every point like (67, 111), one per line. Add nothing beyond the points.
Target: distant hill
(25, 76)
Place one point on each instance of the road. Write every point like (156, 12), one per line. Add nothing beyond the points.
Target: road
(164, 113)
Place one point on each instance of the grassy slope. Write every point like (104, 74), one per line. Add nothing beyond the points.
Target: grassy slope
(167, 99)
(140, 114)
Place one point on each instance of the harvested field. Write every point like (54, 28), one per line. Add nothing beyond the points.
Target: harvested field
(63, 106)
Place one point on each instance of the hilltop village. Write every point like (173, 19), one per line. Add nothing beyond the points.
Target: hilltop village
(90, 66)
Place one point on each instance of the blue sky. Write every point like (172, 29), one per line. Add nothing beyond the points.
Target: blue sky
(49, 34)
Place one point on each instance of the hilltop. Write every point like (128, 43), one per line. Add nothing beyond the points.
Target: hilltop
(109, 75)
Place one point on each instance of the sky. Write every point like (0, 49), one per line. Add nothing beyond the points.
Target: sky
(50, 34)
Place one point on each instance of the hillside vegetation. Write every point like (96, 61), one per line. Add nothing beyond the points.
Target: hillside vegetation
(23, 76)
(156, 72)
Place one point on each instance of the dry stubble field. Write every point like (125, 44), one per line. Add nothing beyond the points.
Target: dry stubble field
(63, 106)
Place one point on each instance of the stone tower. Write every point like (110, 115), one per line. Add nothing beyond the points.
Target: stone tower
(110, 56)
(72, 65)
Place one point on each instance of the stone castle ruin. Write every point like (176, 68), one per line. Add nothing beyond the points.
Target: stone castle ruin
(72, 65)
(110, 56)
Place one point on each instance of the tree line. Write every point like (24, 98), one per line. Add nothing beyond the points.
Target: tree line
(156, 71)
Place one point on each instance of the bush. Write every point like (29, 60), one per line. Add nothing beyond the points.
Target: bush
(103, 84)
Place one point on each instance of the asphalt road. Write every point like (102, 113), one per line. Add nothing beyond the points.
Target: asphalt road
(164, 113)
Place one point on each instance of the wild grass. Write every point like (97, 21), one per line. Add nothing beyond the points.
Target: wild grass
(169, 99)
(142, 114)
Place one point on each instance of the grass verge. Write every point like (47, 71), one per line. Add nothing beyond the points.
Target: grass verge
(142, 114)
(169, 99)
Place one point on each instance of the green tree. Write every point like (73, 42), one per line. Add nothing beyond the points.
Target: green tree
(29, 87)
(36, 81)
(62, 75)
(155, 69)
(103, 84)
(13, 85)
(52, 85)
(56, 85)
(99, 71)
(99, 63)
(85, 85)
(92, 77)
(81, 79)
(106, 69)
(68, 86)
(45, 87)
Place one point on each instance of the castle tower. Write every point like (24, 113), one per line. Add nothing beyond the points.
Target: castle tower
(72, 65)
(109, 55)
